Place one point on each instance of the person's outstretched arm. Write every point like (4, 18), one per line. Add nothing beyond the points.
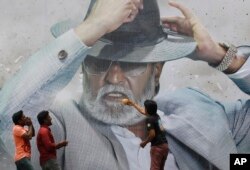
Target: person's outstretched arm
(135, 105)
(208, 49)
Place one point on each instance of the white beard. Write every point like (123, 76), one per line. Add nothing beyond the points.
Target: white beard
(114, 112)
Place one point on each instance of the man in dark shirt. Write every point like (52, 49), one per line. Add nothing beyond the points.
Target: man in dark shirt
(156, 133)
(46, 143)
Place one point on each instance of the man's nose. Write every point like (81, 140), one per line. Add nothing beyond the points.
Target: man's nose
(115, 74)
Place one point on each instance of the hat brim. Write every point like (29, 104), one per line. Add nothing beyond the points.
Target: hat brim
(171, 47)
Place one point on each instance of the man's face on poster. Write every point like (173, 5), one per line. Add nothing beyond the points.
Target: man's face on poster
(106, 82)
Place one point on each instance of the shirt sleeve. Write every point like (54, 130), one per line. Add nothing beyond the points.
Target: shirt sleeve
(150, 124)
(36, 85)
(18, 131)
(242, 77)
(44, 74)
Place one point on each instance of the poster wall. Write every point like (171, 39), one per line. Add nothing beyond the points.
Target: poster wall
(83, 94)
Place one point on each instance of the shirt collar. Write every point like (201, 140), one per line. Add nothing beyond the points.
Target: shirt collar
(45, 126)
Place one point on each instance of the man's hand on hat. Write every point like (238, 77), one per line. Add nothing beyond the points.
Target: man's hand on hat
(105, 17)
(207, 49)
(139, 6)
(112, 13)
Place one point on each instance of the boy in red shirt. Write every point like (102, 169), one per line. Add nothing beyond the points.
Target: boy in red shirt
(46, 143)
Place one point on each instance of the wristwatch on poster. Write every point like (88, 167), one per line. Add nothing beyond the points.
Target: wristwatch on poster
(231, 51)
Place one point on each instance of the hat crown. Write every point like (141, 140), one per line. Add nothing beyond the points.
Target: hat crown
(145, 27)
(142, 40)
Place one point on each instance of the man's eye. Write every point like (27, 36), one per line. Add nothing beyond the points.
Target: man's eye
(100, 65)
(95, 65)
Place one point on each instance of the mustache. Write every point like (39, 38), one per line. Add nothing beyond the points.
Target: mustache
(115, 88)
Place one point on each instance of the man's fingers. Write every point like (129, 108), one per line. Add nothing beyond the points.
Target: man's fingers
(171, 20)
(137, 3)
(135, 6)
(185, 11)
(141, 5)
(133, 12)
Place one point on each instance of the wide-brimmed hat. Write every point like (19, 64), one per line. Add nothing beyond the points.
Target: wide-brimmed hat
(143, 40)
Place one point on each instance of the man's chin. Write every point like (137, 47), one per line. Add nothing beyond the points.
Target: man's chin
(110, 110)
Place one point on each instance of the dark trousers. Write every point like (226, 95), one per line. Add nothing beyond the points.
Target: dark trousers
(158, 155)
(24, 164)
